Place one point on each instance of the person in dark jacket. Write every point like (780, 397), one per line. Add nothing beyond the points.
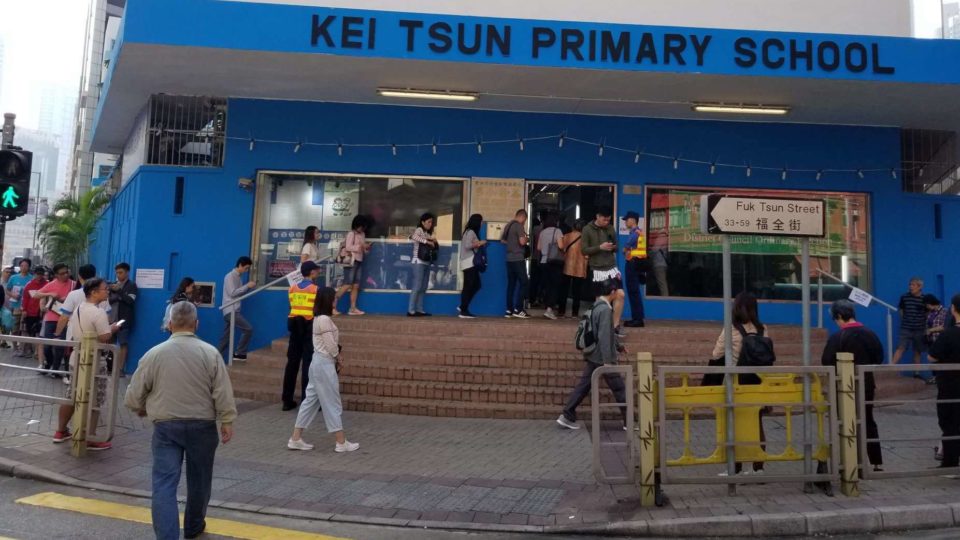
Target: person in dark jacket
(605, 352)
(123, 297)
(866, 348)
(946, 350)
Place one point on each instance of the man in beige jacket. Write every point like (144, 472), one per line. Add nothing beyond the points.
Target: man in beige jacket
(183, 387)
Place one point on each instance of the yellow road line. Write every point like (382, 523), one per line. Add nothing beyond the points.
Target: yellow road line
(140, 514)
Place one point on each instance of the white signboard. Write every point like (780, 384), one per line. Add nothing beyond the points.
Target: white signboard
(722, 214)
(861, 297)
(294, 277)
(149, 278)
(341, 202)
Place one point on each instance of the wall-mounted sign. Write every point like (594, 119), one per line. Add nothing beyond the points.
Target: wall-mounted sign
(149, 278)
(496, 199)
(341, 202)
(723, 214)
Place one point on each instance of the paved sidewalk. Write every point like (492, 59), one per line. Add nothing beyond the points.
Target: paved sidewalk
(500, 474)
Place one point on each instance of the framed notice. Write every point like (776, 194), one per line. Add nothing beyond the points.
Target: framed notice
(496, 199)
(149, 278)
(205, 293)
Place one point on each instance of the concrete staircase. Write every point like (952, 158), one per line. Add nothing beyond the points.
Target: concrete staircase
(483, 368)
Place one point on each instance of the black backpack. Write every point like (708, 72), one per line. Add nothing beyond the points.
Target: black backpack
(756, 349)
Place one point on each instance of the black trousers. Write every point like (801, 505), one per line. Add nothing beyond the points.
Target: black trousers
(634, 278)
(582, 390)
(948, 416)
(299, 353)
(573, 287)
(471, 285)
(874, 454)
(551, 274)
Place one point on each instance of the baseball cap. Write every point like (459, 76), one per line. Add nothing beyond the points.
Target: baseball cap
(307, 267)
(632, 214)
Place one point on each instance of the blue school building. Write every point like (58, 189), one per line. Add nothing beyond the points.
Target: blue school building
(242, 123)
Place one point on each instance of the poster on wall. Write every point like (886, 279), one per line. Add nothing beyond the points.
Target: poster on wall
(496, 199)
(341, 203)
(149, 278)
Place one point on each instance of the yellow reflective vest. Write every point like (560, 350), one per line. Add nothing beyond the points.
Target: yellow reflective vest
(301, 301)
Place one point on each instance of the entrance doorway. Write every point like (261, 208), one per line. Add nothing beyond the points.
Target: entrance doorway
(570, 202)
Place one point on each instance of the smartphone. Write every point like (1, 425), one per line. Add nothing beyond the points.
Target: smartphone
(120, 322)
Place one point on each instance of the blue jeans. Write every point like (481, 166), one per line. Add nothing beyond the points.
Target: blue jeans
(198, 440)
(53, 356)
(517, 285)
(420, 274)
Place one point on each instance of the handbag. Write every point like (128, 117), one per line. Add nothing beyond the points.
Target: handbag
(428, 253)
(344, 257)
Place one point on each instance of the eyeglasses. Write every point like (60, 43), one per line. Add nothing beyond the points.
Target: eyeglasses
(64, 273)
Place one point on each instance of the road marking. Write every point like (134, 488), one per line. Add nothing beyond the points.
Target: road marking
(141, 514)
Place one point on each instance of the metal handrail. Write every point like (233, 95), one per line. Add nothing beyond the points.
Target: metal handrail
(890, 310)
(258, 290)
(595, 409)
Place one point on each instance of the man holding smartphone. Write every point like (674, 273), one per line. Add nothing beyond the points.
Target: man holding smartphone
(600, 246)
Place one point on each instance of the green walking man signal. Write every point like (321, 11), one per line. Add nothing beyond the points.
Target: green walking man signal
(10, 198)
(15, 168)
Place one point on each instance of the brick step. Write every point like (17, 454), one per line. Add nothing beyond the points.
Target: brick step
(677, 347)
(538, 326)
(465, 358)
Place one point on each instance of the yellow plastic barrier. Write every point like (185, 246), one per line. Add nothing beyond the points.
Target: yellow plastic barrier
(780, 389)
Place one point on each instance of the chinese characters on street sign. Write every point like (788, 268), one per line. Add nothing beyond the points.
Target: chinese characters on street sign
(722, 214)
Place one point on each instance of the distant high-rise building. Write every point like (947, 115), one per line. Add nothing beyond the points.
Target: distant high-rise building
(2, 51)
(951, 20)
(103, 25)
(57, 107)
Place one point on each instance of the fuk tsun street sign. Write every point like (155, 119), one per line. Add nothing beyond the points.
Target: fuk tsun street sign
(723, 214)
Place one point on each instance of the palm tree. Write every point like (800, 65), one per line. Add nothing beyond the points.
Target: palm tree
(69, 229)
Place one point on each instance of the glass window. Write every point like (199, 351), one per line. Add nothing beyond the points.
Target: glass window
(289, 203)
(687, 263)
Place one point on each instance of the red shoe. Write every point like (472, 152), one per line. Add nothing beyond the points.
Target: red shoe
(97, 446)
(61, 436)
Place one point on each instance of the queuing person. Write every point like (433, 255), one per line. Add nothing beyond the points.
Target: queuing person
(573, 283)
(425, 248)
(470, 242)
(183, 387)
(51, 295)
(300, 324)
(550, 251)
(32, 318)
(599, 243)
(323, 391)
(866, 348)
(6, 312)
(74, 300)
(184, 293)
(658, 261)
(635, 270)
(14, 292)
(937, 317)
(535, 286)
(88, 316)
(311, 249)
(750, 345)
(946, 350)
(356, 245)
(515, 237)
(234, 287)
(123, 299)
(606, 352)
(913, 326)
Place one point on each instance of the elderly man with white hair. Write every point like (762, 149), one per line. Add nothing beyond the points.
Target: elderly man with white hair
(183, 387)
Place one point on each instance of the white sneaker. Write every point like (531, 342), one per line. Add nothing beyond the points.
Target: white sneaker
(298, 445)
(347, 446)
(562, 420)
(549, 314)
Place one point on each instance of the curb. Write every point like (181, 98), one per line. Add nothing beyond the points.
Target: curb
(850, 521)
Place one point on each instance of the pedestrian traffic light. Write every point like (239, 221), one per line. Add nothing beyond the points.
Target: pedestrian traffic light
(15, 168)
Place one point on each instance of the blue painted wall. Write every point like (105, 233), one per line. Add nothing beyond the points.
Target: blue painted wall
(216, 223)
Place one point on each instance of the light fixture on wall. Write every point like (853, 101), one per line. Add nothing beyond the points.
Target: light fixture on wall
(726, 108)
(446, 95)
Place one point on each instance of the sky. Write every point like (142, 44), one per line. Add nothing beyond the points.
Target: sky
(43, 41)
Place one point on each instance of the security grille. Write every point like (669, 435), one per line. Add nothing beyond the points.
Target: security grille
(186, 131)
(929, 161)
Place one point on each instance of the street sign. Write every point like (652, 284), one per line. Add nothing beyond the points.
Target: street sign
(730, 214)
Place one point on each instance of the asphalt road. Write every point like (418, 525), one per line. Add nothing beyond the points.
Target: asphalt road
(25, 522)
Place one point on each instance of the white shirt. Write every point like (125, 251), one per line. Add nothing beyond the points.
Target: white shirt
(69, 306)
(311, 250)
(88, 318)
(326, 336)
